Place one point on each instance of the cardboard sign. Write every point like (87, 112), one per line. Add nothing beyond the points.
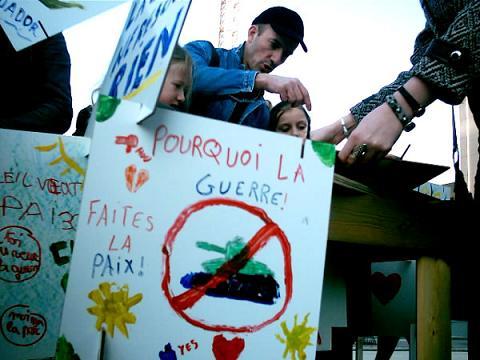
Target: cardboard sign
(393, 286)
(28, 22)
(143, 53)
(41, 180)
(198, 239)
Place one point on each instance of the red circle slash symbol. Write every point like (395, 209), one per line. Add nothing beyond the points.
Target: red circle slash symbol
(186, 300)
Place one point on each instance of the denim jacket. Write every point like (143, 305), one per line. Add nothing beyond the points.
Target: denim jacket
(222, 87)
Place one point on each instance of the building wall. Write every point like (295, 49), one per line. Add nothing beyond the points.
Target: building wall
(468, 143)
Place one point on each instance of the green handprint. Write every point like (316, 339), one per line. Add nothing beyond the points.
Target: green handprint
(57, 4)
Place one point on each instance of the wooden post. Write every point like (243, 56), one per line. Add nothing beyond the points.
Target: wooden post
(433, 310)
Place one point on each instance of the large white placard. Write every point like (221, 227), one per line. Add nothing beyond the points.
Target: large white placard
(198, 239)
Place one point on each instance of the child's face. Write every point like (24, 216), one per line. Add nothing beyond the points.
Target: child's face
(293, 122)
(175, 87)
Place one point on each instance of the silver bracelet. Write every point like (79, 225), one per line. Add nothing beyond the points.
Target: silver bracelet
(344, 127)
(407, 123)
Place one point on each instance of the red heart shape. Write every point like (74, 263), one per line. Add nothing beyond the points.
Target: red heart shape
(385, 287)
(134, 180)
(224, 349)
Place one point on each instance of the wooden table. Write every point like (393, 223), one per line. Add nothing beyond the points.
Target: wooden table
(399, 225)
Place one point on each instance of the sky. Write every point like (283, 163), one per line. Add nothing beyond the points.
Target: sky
(354, 48)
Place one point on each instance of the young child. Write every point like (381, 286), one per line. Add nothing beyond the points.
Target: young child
(291, 120)
(177, 87)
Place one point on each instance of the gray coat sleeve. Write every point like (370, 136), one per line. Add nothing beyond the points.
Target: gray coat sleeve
(450, 82)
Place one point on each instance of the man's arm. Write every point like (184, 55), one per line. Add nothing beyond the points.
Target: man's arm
(217, 80)
(210, 80)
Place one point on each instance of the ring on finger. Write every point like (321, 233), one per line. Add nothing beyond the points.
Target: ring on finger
(360, 150)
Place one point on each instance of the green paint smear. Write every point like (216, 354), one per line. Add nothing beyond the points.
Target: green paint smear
(232, 248)
(57, 4)
(64, 282)
(65, 350)
(106, 107)
(325, 151)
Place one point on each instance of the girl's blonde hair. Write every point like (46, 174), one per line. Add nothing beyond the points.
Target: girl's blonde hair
(180, 55)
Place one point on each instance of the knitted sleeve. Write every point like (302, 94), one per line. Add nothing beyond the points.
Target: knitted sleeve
(449, 78)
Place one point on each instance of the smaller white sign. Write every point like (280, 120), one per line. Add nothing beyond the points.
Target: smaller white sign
(28, 22)
(41, 184)
(143, 53)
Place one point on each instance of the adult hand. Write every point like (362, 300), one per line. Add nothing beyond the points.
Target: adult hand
(379, 130)
(289, 89)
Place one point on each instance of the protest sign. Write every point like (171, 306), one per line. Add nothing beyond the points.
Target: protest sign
(41, 183)
(28, 22)
(198, 238)
(143, 53)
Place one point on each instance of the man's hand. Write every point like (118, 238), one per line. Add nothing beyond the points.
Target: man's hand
(289, 89)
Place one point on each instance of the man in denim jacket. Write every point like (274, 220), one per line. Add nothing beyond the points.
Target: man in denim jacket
(229, 84)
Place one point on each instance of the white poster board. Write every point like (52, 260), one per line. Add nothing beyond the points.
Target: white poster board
(41, 180)
(143, 53)
(28, 22)
(165, 204)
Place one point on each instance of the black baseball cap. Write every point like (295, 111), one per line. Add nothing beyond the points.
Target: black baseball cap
(284, 22)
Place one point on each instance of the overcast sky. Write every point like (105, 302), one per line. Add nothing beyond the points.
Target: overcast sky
(354, 47)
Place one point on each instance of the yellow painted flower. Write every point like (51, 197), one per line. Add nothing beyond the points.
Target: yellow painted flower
(112, 307)
(297, 339)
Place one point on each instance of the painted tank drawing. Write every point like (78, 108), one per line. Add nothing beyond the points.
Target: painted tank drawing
(247, 279)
